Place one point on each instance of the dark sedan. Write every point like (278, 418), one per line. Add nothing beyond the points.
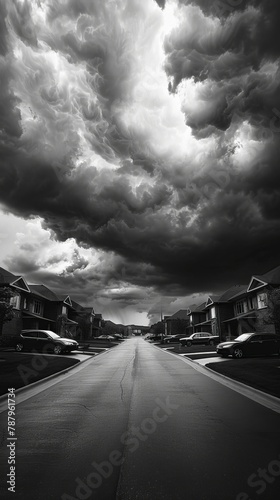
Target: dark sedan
(250, 344)
(203, 338)
(44, 340)
(168, 339)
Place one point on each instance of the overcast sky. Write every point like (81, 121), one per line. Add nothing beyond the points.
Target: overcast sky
(139, 164)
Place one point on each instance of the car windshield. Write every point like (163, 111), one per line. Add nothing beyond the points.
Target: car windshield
(243, 337)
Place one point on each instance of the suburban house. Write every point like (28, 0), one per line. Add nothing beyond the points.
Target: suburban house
(38, 307)
(84, 317)
(197, 318)
(48, 311)
(250, 307)
(218, 309)
(240, 309)
(21, 291)
(177, 323)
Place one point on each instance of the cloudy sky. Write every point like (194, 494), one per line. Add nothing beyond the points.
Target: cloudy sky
(140, 146)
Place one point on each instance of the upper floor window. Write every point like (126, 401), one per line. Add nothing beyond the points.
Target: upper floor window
(213, 312)
(37, 307)
(15, 301)
(241, 307)
(64, 310)
(262, 300)
(250, 302)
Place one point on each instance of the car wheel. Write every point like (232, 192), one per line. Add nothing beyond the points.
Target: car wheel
(237, 353)
(211, 342)
(19, 347)
(189, 343)
(183, 344)
(57, 349)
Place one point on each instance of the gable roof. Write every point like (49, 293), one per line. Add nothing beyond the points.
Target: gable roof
(7, 278)
(272, 277)
(231, 292)
(196, 309)
(181, 314)
(226, 296)
(44, 292)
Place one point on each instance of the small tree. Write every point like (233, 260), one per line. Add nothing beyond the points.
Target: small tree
(6, 309)
(158, 328)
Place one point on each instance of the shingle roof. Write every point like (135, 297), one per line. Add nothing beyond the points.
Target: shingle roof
(181, 314)
(231, 292)
(228, 294)
(6, 277)
(194, 308)
(77, 306)
(45, 292)
(272, 277)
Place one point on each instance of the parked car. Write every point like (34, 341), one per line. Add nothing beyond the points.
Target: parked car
(44, 340)
(250, 344)
(203, 338)
(117, 336)
(167, 339)
(105, 337)
(152, 337)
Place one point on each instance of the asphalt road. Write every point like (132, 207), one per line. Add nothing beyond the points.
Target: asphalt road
(137, 423)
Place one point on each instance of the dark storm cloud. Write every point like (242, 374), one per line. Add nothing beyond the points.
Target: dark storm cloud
(229, 57)
(76, 150)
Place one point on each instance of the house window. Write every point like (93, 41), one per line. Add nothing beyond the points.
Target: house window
(37, 307)
(262, 300)
(250, 303)
(241, 307)
(15, 301)
(64, 310)
(213, 312)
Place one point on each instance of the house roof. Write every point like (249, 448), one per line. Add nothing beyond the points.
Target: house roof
(232, 292)
(227, 295)
(44, 292)
(181, 314)
(77, 306)
(6, 277)
(196, 309)
(271, 277)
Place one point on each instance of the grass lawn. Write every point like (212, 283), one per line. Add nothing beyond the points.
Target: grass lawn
(260, 373)
(18, 369)
(179, 349)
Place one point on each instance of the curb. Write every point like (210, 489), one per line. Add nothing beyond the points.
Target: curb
(263, 398)
(27, 387)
